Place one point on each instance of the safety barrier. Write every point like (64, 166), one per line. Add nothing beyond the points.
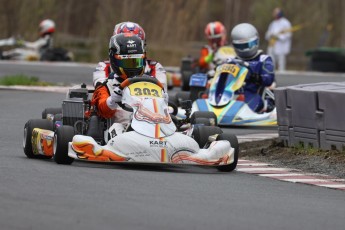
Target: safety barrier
(312, 115)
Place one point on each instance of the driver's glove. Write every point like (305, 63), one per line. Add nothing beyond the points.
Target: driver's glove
(209, 57)
(238, 61)
(211, 73)
(114, 98)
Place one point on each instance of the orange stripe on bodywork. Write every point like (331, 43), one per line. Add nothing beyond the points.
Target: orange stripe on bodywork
(157, 130)
(157, 126)
(164, 157)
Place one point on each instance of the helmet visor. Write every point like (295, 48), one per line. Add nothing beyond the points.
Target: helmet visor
(247, 45)
(129, 61)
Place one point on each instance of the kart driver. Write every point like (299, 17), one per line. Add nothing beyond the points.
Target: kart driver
(46, 30)
(215, 33)
(152, 68)
(127, 59)
(245, 40)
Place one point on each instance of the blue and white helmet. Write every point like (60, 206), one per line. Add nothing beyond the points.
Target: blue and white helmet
(245, 39)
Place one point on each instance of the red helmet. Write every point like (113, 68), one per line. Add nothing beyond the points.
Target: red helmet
(130, 27)
(47, 26)
(216, 33)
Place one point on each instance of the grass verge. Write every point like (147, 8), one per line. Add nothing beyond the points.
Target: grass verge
(23, 80)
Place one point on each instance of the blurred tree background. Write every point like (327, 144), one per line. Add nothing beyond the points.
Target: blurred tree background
(173, 28)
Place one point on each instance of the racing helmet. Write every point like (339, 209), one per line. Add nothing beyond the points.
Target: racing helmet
(46, 26)
(215, 33)
(245, 40)
(130, 27)
(127, 55)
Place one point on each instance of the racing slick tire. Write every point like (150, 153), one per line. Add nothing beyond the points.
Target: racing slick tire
(173, 105)
(201, 133)
(211, 116)
(202, 121)
(181, 96)
(185, 82)
(234, 144)
(63, 135)
(28, 128)
(52, 111)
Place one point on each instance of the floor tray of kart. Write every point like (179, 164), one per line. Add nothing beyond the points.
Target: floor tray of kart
(152, 136)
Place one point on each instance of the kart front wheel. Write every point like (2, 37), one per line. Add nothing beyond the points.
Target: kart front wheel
(27, 139)
(234, 144)
(174, 108)
(211, 116)
(181, 96)
(63, 135)
(201, 133)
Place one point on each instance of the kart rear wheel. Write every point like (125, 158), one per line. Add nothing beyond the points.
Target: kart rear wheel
(52, 111)
(185, 82)
(28, 128)
(204, 114)
(63, 135)
(201, 133)
(234, 144)
(181, 96)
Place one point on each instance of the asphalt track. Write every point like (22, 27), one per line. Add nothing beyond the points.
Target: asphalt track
(39, 194)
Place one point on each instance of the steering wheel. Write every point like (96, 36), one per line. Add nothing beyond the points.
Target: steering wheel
(130, 81)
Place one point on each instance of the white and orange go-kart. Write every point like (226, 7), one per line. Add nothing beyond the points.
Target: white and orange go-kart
(153, 135)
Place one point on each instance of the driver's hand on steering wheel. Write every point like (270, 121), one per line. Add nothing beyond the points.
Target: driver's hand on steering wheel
(116, 95)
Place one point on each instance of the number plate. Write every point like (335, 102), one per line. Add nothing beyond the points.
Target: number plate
(230, 68)
(145, 89)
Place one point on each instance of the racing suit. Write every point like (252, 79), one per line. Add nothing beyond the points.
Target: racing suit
(106, 109)
(206, 58)
(42, 44)
(260, 75)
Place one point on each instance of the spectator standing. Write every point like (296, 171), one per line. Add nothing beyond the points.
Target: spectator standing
(279, 36)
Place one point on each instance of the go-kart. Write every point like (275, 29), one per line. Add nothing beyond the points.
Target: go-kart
(190, 65)
(12, 49)
(195, 82)
(226, 100)
(220, 94)
(152, 136)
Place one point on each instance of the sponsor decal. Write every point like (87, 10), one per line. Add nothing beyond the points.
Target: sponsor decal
(131, 44)
(139, 154)
(34, 142)
(160, 144)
